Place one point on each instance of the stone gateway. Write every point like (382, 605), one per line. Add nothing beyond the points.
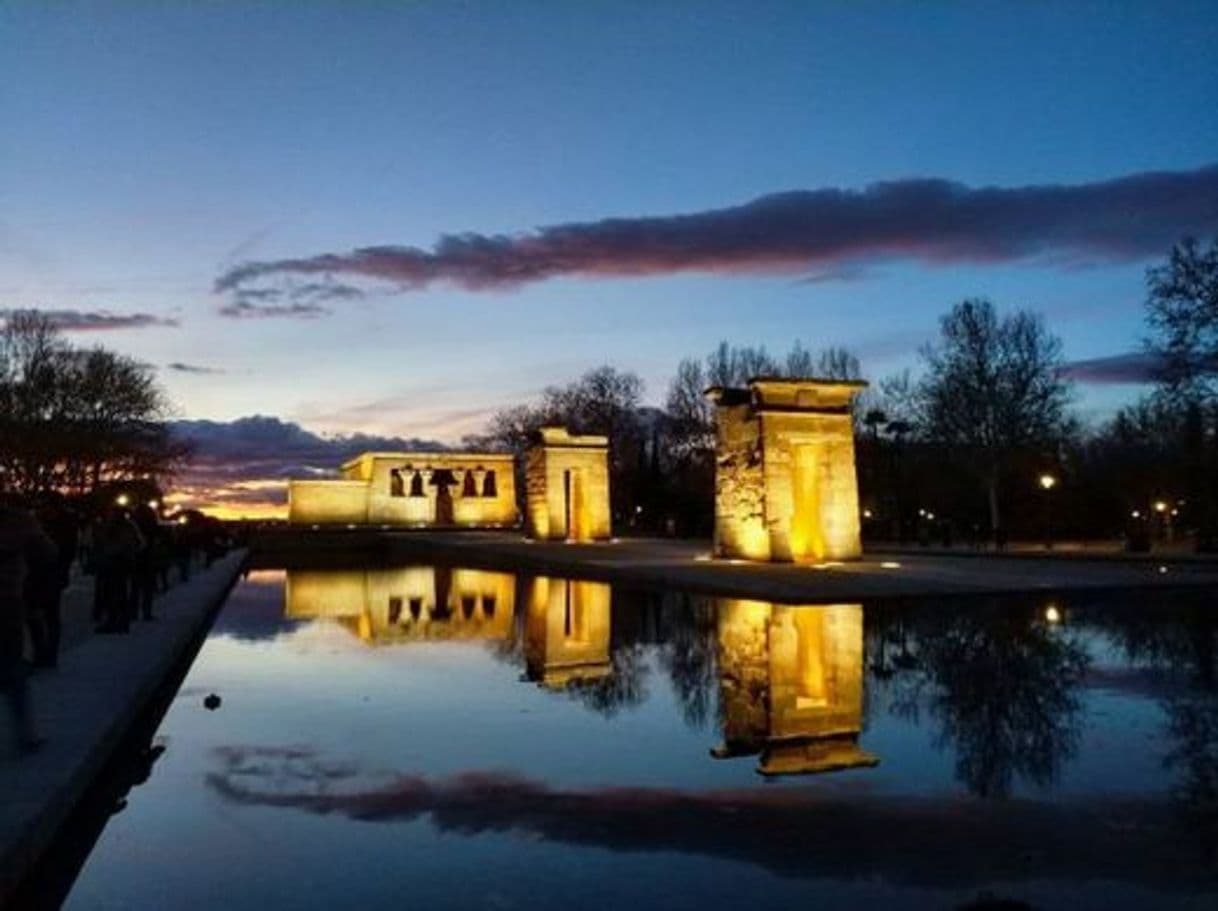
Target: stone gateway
(567, 485)
(786, 489)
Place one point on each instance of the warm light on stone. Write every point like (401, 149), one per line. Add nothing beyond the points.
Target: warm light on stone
(567, 487)
(412, 489)
(791, 681)
(566, 636)
(417, 603)
(785, 482)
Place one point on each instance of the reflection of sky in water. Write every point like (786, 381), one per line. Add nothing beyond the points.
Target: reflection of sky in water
(331, 776)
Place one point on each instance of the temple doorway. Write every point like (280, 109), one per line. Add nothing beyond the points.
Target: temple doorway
(575, 522)
(444, 481)
(807, 533)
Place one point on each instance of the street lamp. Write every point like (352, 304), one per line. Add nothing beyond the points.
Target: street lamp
(1047, 483)
(1161, 507)
(122, 500)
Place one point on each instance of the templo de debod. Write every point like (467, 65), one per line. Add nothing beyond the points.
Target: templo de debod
(415, 489)
(785, 482)
(567, 485)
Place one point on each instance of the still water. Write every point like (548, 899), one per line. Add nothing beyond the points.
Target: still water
(456, 738)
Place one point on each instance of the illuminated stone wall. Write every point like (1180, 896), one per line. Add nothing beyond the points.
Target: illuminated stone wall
(327, 502)
(786, 488)
(413, 490)
(408, 604)
(791, 685)
(567, 487)
(566, 635)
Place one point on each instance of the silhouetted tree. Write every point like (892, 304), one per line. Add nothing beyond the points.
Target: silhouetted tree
(72, 419)
(602, 401)
(993, 390)
(1182, 310)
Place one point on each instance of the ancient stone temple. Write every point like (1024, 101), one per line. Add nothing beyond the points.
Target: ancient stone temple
(791, 685)
(412, 489)
(566, 633)
(785, 482)
(567, 486)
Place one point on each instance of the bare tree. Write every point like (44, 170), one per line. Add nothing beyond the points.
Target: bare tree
(1182, 310)
(835, 363)
(993, 389)
(603, 401)
(71, 418)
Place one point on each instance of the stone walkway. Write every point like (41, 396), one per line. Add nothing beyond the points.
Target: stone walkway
(86, 706)
(686, 565)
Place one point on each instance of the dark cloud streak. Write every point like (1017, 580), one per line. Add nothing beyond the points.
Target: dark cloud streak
(832, 232)
(97, 320)
(1132, 367)
(179, 367)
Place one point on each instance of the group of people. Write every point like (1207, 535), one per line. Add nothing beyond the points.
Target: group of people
(129, 553)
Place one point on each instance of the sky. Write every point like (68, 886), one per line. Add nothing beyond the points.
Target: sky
(394, 218)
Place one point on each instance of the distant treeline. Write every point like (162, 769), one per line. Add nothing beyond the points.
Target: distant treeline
(956, 449)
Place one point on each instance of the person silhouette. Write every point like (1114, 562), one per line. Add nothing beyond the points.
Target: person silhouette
(23, 544)
(45, 583)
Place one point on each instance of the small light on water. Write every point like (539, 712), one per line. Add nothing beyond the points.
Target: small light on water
(890, 564)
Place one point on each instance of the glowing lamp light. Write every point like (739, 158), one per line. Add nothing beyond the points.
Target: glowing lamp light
(122, 500)
(1052, 614)
(1162, 570)
(866, 513)
(1160, 506)
(1136, 514)
(890, 564)
(930, 515)
(154, 504)
(1047, 481)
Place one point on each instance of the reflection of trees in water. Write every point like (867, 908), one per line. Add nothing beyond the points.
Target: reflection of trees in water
(624, 687)
(1193, 728)
(688, 655)
(680, 627)
(1001, 685)
(1178, 639)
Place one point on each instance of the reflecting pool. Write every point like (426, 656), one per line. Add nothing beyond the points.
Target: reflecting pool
(451, 737)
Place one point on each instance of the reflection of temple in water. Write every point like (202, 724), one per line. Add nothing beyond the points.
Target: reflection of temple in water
(566, 636)
(791, 685)
(407, 603)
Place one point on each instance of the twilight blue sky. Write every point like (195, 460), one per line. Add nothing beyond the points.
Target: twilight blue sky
(148, 149)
